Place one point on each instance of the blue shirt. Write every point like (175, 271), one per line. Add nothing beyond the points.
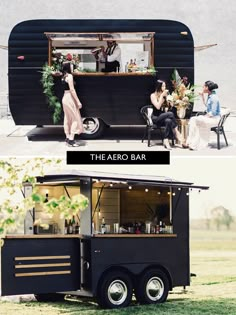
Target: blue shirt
(213, 104)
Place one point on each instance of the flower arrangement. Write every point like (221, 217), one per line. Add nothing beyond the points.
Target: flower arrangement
(183, 94)
(58, 58)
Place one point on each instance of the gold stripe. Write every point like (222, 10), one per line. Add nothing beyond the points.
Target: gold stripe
(30, 274)
(42, 257)
(42, 265)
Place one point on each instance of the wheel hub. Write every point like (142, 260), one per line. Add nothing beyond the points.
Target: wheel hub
(117, 292)
(91, 125)
(155, 288)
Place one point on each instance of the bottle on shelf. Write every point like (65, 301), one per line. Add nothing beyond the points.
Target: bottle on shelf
(73, 224)
(126, 66)
(66, 227)
(70, 228)
(103, 226)
(161, 227)
(77, 228)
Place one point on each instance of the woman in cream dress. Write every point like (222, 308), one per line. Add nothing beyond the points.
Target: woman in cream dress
(71, 106)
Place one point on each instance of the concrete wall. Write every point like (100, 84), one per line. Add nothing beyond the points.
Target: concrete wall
(211, 22)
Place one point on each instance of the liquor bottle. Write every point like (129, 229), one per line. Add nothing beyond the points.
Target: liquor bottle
(77, 228)
(160, 227)
(70, 228)
(103, 226)
(73, 224)
(126, 66)
(66, 227)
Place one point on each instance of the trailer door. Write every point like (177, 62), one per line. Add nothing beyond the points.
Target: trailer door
(40, 265)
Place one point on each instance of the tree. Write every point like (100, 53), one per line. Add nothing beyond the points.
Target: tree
(221, 216)
(14, 205)
(227, 218)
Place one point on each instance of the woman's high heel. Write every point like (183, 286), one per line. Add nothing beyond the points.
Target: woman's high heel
(185, 146)
(166, 144)
(72, 143)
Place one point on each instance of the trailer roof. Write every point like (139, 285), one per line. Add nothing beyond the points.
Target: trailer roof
(75, 175)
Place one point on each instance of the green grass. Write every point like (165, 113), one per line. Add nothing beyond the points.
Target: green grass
(212, 292)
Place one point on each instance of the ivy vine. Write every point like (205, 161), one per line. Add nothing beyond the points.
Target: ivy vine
(48, 89)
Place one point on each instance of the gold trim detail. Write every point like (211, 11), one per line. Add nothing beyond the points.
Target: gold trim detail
(42, 257)
(32, 274)
(42, 265)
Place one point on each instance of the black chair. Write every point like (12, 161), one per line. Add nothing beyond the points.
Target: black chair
(150, 126)
(219, 129)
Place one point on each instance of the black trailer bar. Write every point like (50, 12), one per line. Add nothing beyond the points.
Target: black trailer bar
(143, 247)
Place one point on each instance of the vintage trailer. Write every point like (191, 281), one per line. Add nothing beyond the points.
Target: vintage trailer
(108, 98)
(134, 238)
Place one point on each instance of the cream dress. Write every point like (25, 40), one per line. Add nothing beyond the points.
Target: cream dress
(72, 119)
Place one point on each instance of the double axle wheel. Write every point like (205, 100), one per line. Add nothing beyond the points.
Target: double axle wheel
(116, 288)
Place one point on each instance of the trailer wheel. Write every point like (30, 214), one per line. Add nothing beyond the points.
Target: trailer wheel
(50, 297)
(93, 127)
(153, 287)
(115, 290)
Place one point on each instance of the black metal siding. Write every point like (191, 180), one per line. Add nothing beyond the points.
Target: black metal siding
(17, 253)
(115, 99)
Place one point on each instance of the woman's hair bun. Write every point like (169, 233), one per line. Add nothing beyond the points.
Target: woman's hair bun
(211, 85)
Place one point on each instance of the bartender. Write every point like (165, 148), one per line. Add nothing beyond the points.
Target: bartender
(109, 58)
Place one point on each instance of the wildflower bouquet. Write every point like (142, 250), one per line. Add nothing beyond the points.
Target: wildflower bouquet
(183, 94)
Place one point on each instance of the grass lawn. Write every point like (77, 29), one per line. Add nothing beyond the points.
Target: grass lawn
(212, 292)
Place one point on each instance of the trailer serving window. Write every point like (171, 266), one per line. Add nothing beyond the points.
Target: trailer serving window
(131, 207)
(137, 51)
(54, 223)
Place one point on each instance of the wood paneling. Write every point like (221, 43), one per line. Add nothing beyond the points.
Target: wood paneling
(136, 204)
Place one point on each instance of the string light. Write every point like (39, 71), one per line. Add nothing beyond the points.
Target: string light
(146, 190)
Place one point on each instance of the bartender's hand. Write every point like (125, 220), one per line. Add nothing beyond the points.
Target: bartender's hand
(79, 105)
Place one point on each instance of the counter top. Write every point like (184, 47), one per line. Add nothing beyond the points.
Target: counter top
(135, 235)
(37, 236)
(106, 74)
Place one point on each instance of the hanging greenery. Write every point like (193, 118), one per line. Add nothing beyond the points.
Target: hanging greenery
(14, 173)
(48, 84)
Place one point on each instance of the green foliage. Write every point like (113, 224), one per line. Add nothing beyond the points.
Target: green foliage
(48, 89)
(13, 205)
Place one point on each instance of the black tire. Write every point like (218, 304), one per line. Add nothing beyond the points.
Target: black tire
(115, 290)
(153, 287)
(93, 127)
(50, 297)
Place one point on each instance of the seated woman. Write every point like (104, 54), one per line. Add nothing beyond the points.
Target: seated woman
(163, 115)
(200, 126)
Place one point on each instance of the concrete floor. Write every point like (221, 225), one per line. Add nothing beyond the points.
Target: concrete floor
(49, 141)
